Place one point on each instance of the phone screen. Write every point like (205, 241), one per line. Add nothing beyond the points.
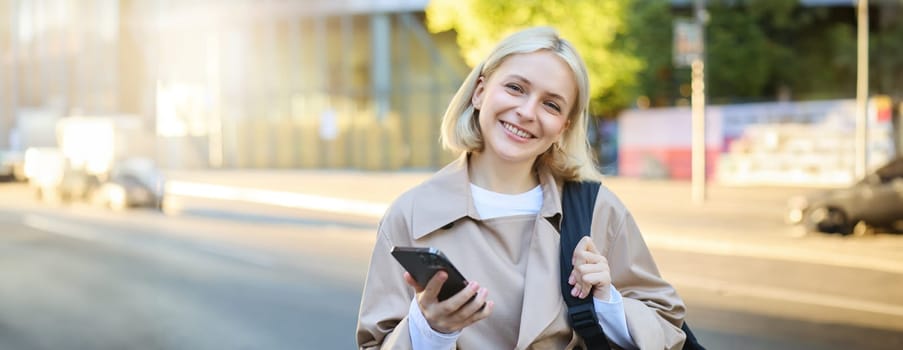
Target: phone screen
(423, 262)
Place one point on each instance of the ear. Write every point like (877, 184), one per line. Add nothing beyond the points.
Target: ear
(477, 97)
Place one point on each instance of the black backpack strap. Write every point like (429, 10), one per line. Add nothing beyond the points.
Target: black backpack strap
(691, 343)
(578, 200)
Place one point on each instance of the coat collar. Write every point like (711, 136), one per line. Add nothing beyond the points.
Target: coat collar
(446, 197)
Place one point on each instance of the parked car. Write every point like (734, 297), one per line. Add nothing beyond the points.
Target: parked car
(874, 202)
(76, 185)
(12, 165)
(134, 182)
(45, 168)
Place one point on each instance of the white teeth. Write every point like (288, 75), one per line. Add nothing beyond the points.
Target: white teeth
(516, 131)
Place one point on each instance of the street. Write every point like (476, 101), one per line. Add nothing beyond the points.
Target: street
(221, 274)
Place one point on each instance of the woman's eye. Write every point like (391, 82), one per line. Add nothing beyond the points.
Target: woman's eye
(514, 87)
(553, 106)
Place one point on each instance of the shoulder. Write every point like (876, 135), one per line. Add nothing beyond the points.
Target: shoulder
(404, 205)
(609, 215)
(398, 215)
(439, 200)
(608, 200)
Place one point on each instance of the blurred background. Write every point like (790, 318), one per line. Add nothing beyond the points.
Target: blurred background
(209, 174)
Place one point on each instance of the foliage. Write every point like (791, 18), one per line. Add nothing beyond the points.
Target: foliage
(593, 26)
(886, 51)
(738, 59)
(649, 36)
(755, 49)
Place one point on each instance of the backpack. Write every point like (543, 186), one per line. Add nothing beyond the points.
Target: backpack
(577, 203)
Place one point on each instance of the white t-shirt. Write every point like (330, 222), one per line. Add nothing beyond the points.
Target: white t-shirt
(491, 204)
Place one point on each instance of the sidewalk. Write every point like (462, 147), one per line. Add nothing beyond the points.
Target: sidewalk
(735, 221)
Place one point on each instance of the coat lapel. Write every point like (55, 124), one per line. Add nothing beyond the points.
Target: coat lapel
(542, 295)
(442, 199)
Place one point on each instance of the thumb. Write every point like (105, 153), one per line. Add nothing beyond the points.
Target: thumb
(411, 282)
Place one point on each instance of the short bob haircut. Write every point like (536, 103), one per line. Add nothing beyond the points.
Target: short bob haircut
(572, 159)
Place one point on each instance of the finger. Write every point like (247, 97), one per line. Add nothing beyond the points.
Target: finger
(485, 309)
(598, 279)
(588, 257)
(578, 285)
(581, 247)
(602, 285)
(483, 313)
(411, 282)
(475, 305)
(585, 269)
(576, 280)
(590, 245)
(575, 292)
(435, 285)
(588, 276)
(461, 298)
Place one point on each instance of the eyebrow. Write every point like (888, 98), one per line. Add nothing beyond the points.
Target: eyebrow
(526, 81)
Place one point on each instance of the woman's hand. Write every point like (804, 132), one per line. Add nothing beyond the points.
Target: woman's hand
(590, 273)
(453, 314)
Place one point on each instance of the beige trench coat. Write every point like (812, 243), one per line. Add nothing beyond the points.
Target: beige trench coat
(421, 217)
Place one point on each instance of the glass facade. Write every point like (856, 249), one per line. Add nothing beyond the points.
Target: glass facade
(238, 84)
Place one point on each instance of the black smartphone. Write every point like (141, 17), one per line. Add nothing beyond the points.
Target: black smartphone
(423, 262)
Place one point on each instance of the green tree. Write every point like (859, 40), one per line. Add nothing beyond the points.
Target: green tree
(757, 49)
(886, 51)
(593, 26)
(649, 36)
(737, 54)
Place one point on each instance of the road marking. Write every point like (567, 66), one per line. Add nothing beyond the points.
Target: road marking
(794, 296)
(777, 252)
(48, 225)
(658, 240)
(237, 254)
(277, 198)
(85, 232)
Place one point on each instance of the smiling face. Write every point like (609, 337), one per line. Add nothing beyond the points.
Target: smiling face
(524, 106)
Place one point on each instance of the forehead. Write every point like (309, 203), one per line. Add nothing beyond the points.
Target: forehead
(543, 69)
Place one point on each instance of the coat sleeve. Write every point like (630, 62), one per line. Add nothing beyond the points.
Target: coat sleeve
(653, 309)
(382, 319)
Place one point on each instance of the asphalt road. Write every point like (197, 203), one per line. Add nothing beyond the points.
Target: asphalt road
(226, 275)
(78, 278)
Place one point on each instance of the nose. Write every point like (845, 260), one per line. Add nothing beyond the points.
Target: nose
(527, 109)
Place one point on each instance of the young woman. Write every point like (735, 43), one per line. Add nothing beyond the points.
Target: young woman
(519, 122)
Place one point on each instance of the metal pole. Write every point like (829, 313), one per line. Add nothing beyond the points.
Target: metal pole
(14, 69)
(323, 98)
(348, 93)
(406, 91)
(38, 55)
(381, 72)
(294, 72)
(697, 106)
(862, 88)
(215, 120)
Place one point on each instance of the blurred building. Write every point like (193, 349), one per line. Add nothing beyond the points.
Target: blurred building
(236, 83)
(807, 143)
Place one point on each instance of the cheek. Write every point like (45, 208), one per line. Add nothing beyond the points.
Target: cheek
(555, 126)
(485, 122)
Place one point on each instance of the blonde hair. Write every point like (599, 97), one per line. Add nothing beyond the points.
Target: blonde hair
(572, 159)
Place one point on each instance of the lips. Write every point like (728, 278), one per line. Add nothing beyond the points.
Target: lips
(517, 131)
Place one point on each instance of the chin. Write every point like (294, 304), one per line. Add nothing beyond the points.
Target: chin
(516, 157)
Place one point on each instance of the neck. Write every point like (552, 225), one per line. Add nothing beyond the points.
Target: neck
(500, 176)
